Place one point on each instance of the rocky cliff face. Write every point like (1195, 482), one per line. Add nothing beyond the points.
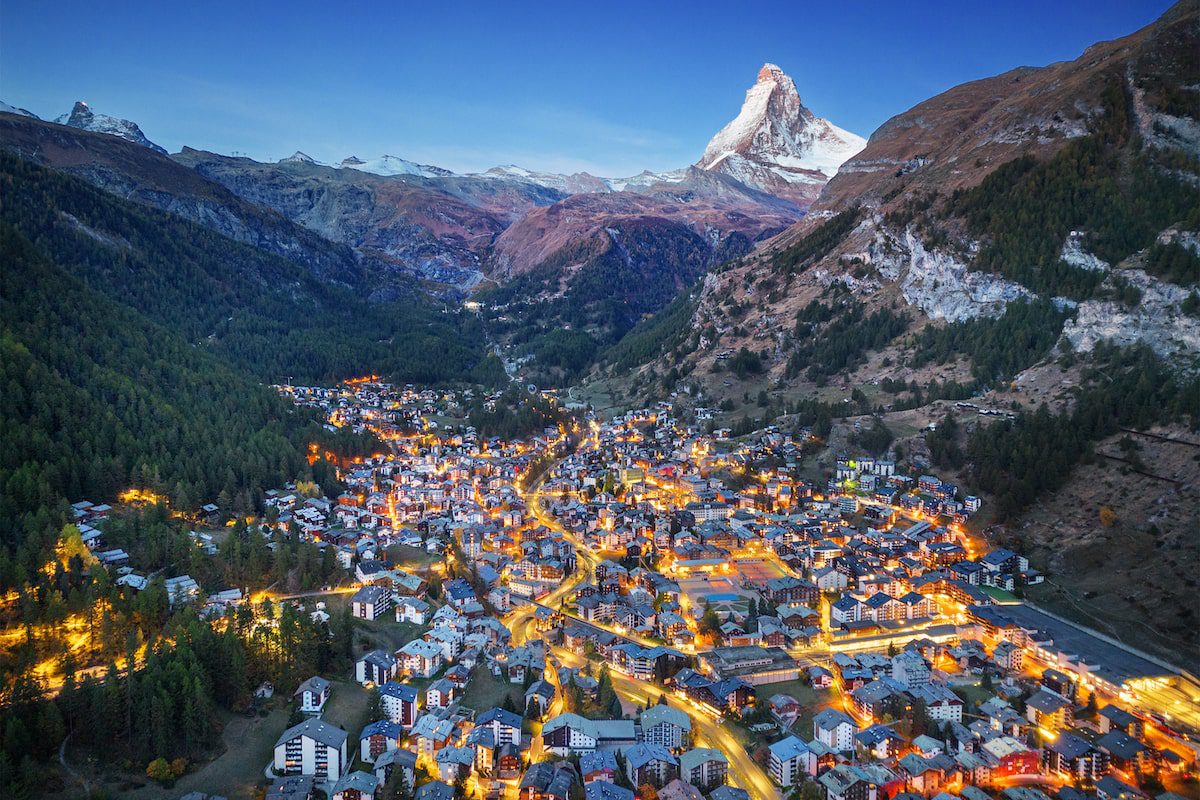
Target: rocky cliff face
(938, 283)
(777, 145)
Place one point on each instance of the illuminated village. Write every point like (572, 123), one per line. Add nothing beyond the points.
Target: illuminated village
(632, 607)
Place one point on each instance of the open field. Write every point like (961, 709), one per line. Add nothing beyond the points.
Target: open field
(411, 559)
(248, 746)
(385, 634)
(487, 691)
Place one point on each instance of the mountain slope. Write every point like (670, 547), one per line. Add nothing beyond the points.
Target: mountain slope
(144, 176)
(777, 145)
(97, 397)
(1025, 246)
(263, 313)
(438, 228)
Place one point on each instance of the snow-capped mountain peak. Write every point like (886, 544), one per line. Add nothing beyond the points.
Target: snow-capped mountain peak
(83, 117)
(388, 166)
(298, 157)
(777, 145)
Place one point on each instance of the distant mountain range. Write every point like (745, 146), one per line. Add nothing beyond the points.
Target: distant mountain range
(453, 230)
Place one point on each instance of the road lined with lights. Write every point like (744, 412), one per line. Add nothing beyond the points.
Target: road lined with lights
(743, 772)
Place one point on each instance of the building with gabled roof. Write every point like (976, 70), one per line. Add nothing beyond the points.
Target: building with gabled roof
(313, 748)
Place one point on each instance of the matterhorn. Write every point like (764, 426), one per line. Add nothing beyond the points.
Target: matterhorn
(777, 145)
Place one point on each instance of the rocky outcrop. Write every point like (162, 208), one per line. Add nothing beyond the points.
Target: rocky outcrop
(938, 283)
(1074, 254)
(1155, 321)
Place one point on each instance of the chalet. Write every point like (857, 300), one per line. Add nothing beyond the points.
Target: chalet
(355, 785)
(313, 693)
(1007, 756)
(399, 703)
(547, 780)
(393, 759)
(856, 782)
(421, 658)
(650, 763)
(505, 725)
(790, 761)
(454, 762)
(704, 768)
(940, 702)
(600, 765)
(433, 732)
(440, 694)
(666, 726)
(569, 733)
(835, 729)
(878, 741)
(411, 609)
(1113, 718)
(1109, 788)
(539, 696)
(1073, 758)
(1048, 711)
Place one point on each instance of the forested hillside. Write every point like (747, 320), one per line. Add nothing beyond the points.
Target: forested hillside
(268, 316)
(136, 348)
(96, 397)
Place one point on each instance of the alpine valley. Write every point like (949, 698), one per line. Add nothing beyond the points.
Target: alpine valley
(999, 286)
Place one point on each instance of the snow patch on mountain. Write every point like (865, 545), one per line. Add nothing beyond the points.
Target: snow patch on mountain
(576, 183)
(5, 108)
(646, 179)
(84, 118)
(388, 166)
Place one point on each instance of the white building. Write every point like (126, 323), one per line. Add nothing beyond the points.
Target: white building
(835, 729)
(313, 693)
(312, 748)
(371, 602)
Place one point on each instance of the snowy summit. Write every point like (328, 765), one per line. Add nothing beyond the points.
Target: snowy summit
(83, 117)
(777, 145)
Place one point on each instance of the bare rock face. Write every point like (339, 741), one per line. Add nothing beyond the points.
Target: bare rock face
(777, 145)
(939, 283)
(1155, 321)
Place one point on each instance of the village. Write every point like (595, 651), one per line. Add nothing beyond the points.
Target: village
(633, 607)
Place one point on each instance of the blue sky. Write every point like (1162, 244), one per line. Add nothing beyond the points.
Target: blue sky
(612, 88)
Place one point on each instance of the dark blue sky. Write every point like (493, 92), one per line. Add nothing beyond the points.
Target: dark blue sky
(611, 87)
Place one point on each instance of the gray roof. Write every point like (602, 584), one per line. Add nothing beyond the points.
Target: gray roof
(694, 758)
(642, 754)
(657, 714)
(317, 730)
(314, 684)
(364, 782)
